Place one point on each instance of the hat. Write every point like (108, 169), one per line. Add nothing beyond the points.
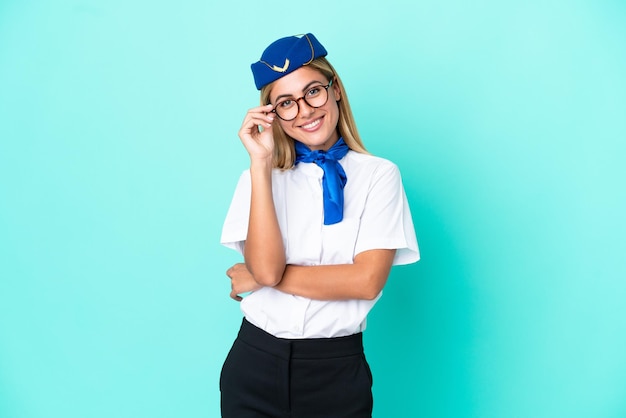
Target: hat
(285, 56)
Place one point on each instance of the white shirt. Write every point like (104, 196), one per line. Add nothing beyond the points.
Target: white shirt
(376, 216)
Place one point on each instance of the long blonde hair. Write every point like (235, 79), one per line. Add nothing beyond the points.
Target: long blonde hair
(284, 150)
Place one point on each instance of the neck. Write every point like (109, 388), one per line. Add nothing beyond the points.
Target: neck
(326, 145)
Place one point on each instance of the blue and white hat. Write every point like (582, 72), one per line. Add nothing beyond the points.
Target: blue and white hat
(285, 56)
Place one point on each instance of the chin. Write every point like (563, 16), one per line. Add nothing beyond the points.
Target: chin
(315, 144)
(316, 140)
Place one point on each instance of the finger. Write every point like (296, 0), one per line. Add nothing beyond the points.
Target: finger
(263, 112)
(259, 115)
(254, 130)
(250, 125)
(261, 109)
(235, 296)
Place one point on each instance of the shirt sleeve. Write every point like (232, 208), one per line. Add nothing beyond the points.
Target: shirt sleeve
(235, 228)
(386, 222)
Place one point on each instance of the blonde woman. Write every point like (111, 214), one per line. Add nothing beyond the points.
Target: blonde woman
(319, 222)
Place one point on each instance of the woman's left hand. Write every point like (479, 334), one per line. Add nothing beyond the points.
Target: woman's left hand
(241, 281)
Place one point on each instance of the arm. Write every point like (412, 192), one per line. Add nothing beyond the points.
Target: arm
(364, 279)
(264, 253)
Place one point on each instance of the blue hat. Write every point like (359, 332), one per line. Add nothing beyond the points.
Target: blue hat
(285, 56)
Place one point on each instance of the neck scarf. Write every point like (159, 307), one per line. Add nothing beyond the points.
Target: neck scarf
(334, 178)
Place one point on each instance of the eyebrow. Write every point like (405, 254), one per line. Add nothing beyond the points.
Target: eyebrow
(303, 90)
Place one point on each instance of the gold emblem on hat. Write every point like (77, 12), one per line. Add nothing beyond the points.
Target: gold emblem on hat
(276, 67)
(284, 67)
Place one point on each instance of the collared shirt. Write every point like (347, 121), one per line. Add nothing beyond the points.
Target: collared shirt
(376, 216)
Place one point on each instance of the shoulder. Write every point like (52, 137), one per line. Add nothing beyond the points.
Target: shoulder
(368, 159)
(370, 165)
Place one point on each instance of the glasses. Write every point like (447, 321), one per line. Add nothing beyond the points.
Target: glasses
(315, 97)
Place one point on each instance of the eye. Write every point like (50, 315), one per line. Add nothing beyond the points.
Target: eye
(285, 104)
(314, 91)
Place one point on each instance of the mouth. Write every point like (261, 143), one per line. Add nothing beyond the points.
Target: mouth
(313, 125)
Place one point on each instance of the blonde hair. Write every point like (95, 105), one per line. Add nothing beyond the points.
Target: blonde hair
(284, 150)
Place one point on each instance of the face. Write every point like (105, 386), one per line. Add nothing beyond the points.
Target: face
(314, 127)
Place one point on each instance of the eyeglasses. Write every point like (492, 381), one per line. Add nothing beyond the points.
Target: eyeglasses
(315, 97)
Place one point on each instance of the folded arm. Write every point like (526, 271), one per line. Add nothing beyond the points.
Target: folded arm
(364, 279)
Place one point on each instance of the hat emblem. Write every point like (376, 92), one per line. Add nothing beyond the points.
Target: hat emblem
(277, 68)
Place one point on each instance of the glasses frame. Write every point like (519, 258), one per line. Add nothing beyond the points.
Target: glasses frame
(325, 87)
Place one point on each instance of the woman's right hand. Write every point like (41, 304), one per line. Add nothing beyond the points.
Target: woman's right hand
(241, 281)
(259, 142)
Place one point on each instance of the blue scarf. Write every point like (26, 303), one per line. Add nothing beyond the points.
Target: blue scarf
(334, 178)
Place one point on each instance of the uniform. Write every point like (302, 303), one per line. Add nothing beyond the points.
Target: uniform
(376, 216)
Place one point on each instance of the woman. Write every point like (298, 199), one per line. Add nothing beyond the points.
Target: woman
(319, 222)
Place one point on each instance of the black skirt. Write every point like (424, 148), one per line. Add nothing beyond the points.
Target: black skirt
(265, 376)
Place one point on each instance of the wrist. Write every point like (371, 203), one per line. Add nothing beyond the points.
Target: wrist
(264, 164)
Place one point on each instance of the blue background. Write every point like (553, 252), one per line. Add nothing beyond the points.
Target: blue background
(119, 155)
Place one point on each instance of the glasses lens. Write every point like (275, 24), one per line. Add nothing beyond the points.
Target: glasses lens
(316, 96)
(287, 109)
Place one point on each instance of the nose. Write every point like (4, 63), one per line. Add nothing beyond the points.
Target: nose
(303, 107)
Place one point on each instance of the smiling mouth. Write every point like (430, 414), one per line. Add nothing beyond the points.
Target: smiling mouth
(312, 125)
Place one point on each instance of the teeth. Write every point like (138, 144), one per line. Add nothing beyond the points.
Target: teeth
(312, 124)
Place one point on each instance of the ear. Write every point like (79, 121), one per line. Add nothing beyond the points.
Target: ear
(336, 89)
